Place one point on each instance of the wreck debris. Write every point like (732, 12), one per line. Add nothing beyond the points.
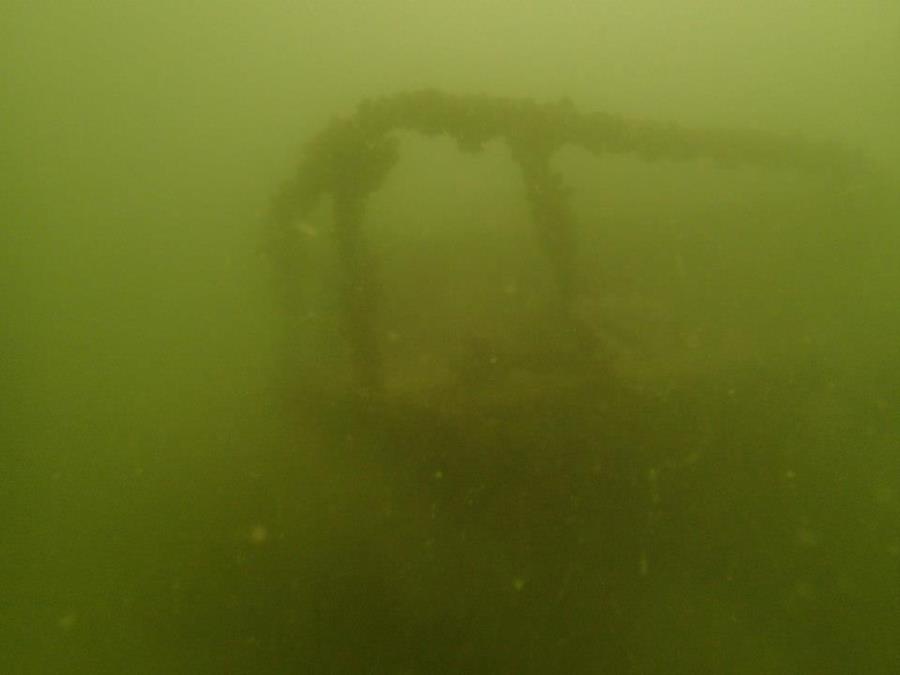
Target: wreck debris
(351, 157)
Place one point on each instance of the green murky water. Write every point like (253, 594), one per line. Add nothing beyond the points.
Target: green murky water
(192, 482)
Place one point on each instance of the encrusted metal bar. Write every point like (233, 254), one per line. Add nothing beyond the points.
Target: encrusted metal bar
(351, 157)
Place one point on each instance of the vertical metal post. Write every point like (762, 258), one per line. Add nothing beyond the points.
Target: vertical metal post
(358, 290)
(555, 222)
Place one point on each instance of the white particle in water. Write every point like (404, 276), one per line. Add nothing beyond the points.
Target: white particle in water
(259, 534)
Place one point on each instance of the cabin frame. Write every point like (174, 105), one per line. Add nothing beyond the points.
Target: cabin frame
(352, 156)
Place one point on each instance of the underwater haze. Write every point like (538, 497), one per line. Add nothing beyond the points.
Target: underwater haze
(239, 436)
